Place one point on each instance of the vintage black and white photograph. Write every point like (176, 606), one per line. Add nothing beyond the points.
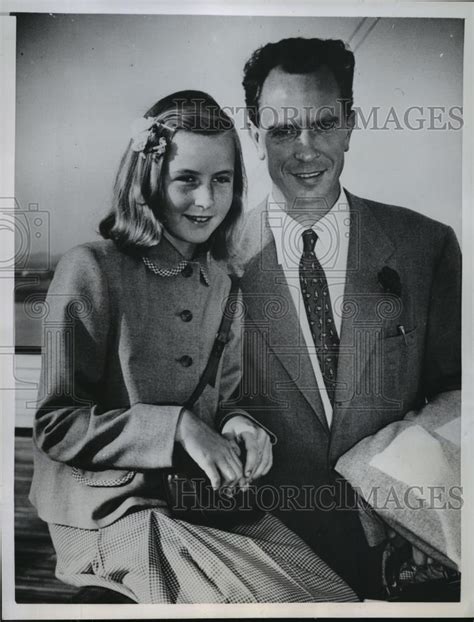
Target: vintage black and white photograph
(238, 312)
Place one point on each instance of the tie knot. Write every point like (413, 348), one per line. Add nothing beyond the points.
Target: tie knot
(309, 240)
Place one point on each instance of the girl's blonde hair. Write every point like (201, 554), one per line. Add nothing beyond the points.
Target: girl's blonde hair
(134, 222)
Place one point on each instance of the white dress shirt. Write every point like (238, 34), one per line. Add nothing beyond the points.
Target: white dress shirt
(331, 250)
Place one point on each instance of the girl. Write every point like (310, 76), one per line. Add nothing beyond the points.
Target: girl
(131, 324)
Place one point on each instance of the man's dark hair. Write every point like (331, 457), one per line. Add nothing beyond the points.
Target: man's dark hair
(298, 55)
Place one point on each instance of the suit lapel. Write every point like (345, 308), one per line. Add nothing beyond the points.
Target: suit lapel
(270, 307)
(362, 314)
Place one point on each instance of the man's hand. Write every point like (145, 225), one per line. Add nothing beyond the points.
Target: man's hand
(259, 455)
(217, 456)
(419, 558)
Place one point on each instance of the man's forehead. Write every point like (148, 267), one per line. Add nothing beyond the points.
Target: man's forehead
(306, 94)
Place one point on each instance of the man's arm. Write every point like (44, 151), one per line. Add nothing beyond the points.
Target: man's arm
(442, 361)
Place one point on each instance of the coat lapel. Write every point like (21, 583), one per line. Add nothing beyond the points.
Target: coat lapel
(270, 307)
(362, 313)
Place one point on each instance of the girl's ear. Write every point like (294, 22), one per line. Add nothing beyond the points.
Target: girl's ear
(257, 139)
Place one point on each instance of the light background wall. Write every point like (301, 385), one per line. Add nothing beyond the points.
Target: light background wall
(82, 80)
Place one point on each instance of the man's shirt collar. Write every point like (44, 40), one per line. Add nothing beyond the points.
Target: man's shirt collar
(332, 230)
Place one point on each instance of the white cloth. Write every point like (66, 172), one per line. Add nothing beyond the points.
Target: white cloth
(409, 472)
(331, 250)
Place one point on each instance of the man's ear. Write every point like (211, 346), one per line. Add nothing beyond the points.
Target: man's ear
(350, 123)
(257, 139)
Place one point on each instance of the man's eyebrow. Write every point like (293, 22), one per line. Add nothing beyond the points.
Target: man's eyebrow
(325, 120)
(292, 125)
(283, 125)
(328, 116)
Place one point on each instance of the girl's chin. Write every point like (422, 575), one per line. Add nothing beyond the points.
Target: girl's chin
(187, 244)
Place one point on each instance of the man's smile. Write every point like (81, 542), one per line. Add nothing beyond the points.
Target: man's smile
(308, 175)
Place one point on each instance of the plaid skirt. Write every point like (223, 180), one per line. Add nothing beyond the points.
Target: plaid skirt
(154, 558)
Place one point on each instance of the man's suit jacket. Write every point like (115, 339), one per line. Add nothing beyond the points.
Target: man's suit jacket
(398, 349)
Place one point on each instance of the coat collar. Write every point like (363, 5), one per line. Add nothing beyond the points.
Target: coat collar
(165, 260)
(255, 233)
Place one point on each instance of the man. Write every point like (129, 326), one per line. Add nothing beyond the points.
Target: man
(352, 308)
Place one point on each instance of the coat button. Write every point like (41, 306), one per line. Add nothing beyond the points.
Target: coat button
(186, 315)
(187, 270)
(186, 361)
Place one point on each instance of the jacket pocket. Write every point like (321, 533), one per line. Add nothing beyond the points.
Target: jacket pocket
(103, 479)
(399, 351)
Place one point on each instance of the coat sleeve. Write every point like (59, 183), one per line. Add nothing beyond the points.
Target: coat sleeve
(442, 363)
(232, 374)
(71, 425)
(442, 357)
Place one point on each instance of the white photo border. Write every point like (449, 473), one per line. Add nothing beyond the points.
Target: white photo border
(13, 611)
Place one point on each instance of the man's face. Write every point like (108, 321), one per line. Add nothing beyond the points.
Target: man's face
(303, 134)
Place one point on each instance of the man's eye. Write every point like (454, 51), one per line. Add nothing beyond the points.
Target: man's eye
(284, 133)
(326, 125)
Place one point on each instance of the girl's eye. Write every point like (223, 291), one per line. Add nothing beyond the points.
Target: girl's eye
(187, 179)
(223, 179)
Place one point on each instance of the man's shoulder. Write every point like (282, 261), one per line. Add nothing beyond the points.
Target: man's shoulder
(253, 234)
(396, 220)
(254, 216)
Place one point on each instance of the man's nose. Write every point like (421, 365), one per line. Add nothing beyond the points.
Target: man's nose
(306, 147)
(204, 196)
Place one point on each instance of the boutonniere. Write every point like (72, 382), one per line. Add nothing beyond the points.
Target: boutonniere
(389, 279)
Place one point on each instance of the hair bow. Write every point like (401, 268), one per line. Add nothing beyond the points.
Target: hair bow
(141, 130)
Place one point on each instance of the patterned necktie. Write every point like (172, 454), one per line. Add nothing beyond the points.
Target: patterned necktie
(317, 301)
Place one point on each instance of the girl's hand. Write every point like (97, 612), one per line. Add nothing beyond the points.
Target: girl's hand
(257, 445)
(217, 456)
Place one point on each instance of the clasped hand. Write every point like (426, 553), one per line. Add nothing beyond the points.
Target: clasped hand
(219, 455)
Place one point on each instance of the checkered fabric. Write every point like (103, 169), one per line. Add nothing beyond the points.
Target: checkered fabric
(110, 483)
(153, 558)
(173, 271)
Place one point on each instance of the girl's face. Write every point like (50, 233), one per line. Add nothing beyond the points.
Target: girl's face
(198, 187)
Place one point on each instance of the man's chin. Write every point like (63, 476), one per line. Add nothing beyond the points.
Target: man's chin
(304, 201)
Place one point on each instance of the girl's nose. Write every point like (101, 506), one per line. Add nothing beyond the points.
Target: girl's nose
(204, 196)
